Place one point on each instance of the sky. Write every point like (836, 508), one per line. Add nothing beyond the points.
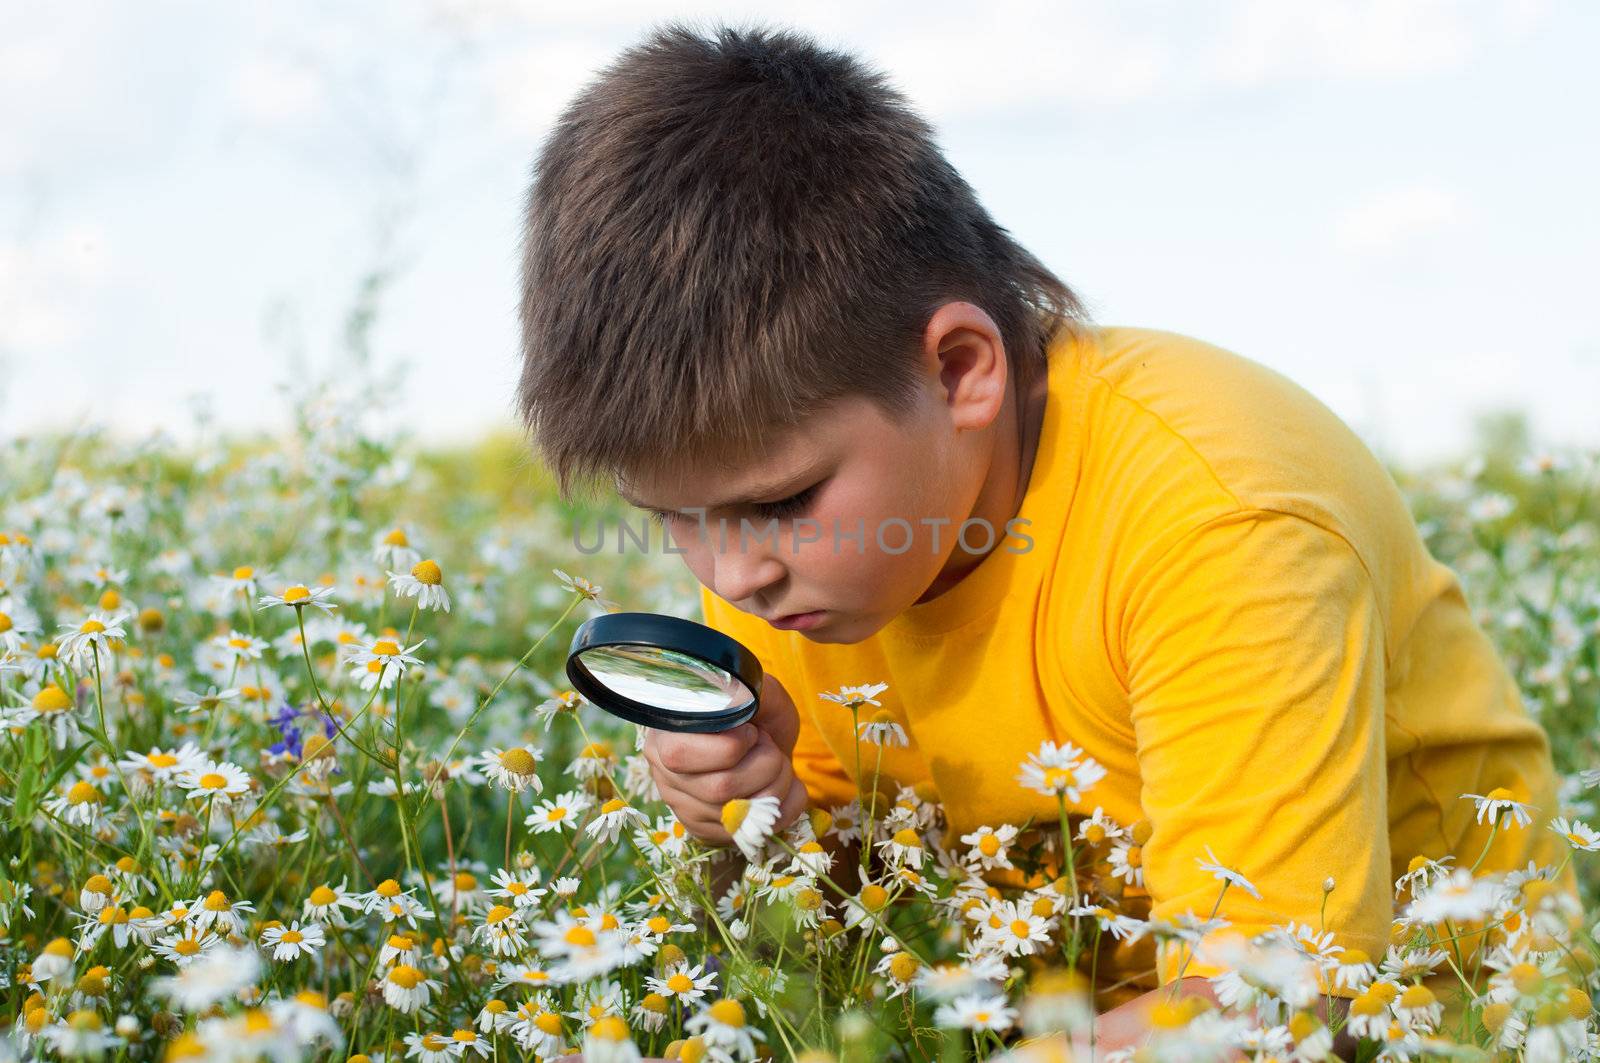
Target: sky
(1392, 203)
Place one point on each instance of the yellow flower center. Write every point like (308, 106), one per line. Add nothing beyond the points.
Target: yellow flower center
(405, 976)
(296, 593)
(292, 937)
(97, 884)
(187, 947)
(388, 888)
(1059, 778)
(244, 572)
(734, 813)
(609, 1028)
(5, 623)
(555, 814)
(873, 897)
(548, 1022)
(989, 844)
(659, 924)
(385, 648)
(216, 901)
(161, 760)
(213, 781)
(1417, 996)
(427, 572)
(518, 761)
(1500, 793)
(499, 913)
(907, 837)
(466, 880)
(465, 1036)
(679, 982)
(581, 936)
(82, 793)
(903, 967)
(92, 627)
(728, 1012)
(51, 699)
(616, 804)
(397, 537)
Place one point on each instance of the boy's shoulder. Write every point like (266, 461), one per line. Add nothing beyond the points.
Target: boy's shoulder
(1186, 408)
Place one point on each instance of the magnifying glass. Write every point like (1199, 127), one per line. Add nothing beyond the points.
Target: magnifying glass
(664, 672)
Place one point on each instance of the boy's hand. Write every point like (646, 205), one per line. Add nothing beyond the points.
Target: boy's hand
(698, 773)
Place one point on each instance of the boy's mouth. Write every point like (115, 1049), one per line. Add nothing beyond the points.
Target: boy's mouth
(799, 621)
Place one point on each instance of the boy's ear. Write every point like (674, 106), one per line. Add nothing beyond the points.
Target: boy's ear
(963, 349)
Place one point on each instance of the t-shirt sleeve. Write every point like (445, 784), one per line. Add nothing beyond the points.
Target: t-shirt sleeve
(815, 764)
(1255, 655)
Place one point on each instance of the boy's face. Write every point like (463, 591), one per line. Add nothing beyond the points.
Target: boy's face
(766, 541)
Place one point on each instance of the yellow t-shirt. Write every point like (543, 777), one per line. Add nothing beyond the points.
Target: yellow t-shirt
(1228, 605)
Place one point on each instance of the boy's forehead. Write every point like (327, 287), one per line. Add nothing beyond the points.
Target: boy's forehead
(725, 480)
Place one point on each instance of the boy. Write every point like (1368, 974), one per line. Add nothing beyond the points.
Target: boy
(893, 448)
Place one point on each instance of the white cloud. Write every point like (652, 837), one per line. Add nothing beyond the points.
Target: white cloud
(1397, 216)
(1274, 40)
(45, 283)
(272, 91)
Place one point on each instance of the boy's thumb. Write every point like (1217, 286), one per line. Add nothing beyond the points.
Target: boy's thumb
(777, 715)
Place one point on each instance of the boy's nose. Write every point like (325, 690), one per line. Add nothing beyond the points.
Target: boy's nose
(741, 574)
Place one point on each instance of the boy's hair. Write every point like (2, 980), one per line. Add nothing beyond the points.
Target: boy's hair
(725, 232)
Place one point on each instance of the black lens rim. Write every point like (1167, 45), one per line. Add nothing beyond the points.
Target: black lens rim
(671, 633)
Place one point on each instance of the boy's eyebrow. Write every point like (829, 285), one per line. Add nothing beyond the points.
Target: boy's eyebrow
(760, 493)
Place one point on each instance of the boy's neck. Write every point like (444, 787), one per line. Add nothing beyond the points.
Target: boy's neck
(1016, 443)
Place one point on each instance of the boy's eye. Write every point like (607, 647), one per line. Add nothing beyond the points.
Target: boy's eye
(787, 507)
(783, 507)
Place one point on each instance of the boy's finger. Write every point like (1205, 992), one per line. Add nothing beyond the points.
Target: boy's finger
(692, 754)
(756, 773)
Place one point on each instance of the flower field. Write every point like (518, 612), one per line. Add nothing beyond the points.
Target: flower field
(290, 772)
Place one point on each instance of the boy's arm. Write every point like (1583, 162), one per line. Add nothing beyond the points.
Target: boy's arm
(1255, 660)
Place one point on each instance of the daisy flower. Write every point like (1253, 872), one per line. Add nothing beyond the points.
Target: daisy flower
(425, 583)
(853, 697)
(218, 975)
(502, 931)
(567, 701)
(405, 988)
(384, 661)
(608, 1040)
(211, 699)
(722, 1025)
(989, 845)
(580, 586)
(56, 708)
(324, 904)
(245, 578)
(393, 548)
(684, 982)
(520, 889)
(1459, 897)
(750, 821)
(559, 813)
(1577, 833)
(1493, 804)
(463, 1041)
(299, 596)
(1127, 861)
(79, 804)
(904, 846)
(1222, 874)
(594, 760)
(1019, 932)
(163, 765)
(215, 910)
(882, 729)
(613, 818)
(239, 646)
(292, 942)
(975, 1012)
(1098, 827)
(429, 1047)
(186, 947)
(1060, 770)
(514, 769)
(86, 640)
(222, 780)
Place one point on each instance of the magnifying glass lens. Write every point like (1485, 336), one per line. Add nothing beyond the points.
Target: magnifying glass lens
(664, 672)
(667, 679)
